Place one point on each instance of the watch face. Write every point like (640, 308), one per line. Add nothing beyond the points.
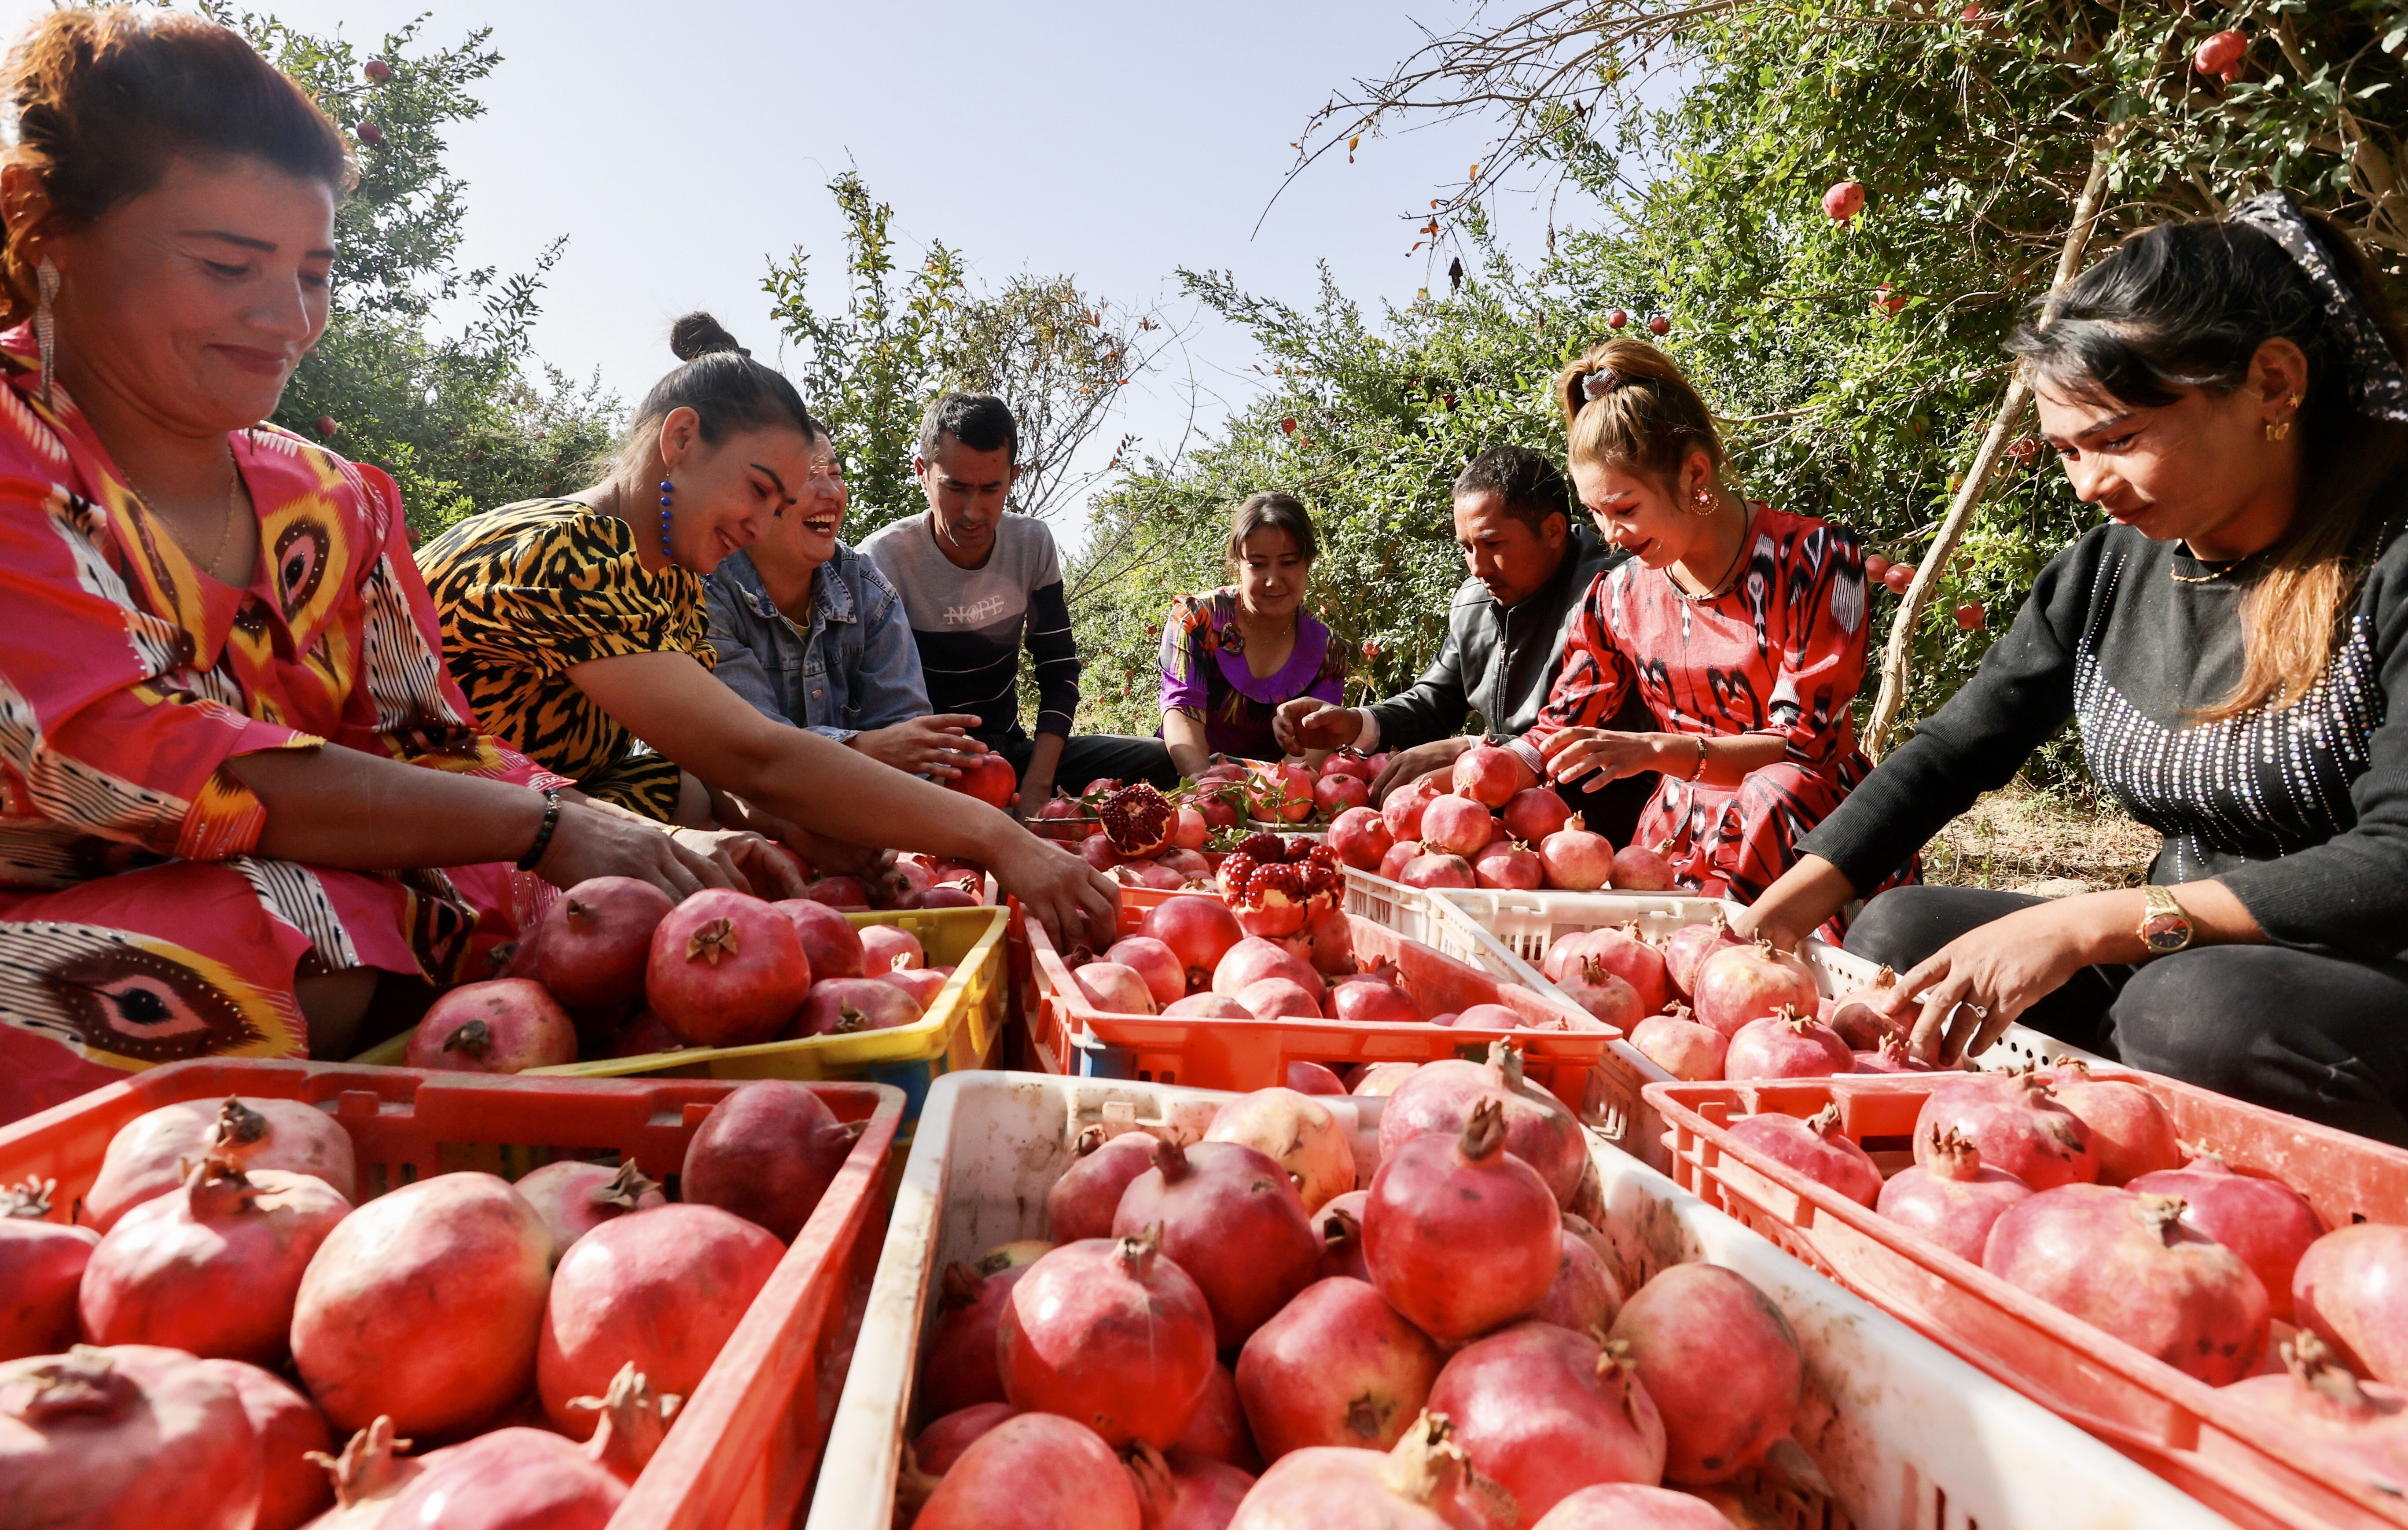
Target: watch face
(2166, 932)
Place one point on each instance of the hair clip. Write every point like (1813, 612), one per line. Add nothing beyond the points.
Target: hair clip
(1596, 384)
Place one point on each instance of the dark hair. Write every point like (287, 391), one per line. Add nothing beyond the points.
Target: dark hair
(1528, 482)
(1626, 404)
(106, 99)
(721, 383)
(980, 422)
(2185, 305)
(1271, 512)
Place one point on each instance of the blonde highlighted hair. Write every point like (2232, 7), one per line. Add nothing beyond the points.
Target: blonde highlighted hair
(1626, 404)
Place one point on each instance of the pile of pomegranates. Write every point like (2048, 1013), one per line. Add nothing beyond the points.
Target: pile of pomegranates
(1267, 1327)
(198, 1362)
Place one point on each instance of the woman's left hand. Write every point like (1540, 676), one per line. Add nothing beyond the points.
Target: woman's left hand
(1579, 751)
(1961, 997)
(747, 859)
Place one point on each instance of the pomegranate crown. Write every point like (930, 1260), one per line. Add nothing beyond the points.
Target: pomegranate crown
(1136, 1252)
(1484, 1131)
(634, 1421)
(29, 1198)
(367, 1467)
(1826, 1121)
(2314, 1365)
(237, 1123)
(627, 1187)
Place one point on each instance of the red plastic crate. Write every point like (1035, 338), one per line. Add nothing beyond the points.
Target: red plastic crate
(2236, 1459)
(745, 1447)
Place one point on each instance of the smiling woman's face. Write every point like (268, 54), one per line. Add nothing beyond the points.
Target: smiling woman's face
(190, 305)
(818, 516)
(1642, 514)
(727, 494)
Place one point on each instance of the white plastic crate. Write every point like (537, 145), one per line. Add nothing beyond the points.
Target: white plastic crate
(1907, 1437)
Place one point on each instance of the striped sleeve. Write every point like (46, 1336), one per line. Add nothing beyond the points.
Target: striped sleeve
(1054, 656)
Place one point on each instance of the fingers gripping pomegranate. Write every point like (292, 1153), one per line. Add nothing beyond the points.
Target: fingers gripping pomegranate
(1545, 1413)
(960, 1367)
(2351, 1286)
(291, 1431)
(1112, 1333)
(212, 1270)
(2016, 1122)
(1424, 1483)
(1952, 1197)
(152, 1153)
(1336, 1367)
(768, 1153)
(2267, 1223)
(1082, 1202)
(1815, 1147)
(130, 1436)
(1034, 1472)
(1721, 1364)
(1295, 1130)
(1233, 1221)
(592, 947)
(1460, 1235)
(41, 1264)
(1750, 982)
(573, 1197)
(725, 969)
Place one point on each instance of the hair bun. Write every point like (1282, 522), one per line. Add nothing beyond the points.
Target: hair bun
(699, 334)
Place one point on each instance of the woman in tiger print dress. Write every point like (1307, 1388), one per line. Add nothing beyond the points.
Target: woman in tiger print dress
(579, 629)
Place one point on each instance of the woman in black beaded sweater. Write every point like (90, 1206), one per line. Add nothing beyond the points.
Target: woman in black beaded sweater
(2233, 646)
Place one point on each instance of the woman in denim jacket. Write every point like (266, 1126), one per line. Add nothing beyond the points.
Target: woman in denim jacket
(808, 630)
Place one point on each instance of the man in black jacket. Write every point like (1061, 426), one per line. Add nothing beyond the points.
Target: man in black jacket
(1530, 565)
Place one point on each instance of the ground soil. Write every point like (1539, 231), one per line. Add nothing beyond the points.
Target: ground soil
(2021, 838)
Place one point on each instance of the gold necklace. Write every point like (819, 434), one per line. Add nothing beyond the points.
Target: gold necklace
(1738, 557)
(226, 526)
(2203, 578)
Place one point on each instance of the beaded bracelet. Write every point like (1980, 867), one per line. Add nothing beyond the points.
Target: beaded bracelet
(1699, 774)
(543, 832)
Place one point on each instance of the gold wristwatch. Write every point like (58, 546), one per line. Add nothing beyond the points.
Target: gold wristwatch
(2165, 929)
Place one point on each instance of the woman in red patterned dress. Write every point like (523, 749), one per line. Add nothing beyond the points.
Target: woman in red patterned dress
(1743, 627)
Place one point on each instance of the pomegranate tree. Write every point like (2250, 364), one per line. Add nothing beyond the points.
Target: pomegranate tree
(1721, 1364)
(1951, 1196)
(1082, 1202)
(1815, 1147)
(727, 969)
(133, 1435)
(152, 1153)
(1338, 1365)
(1232, 1221)
(2131, 1133)
(2016, 1122)
(2125, 1264)
(592, 947)
(1576, 860)
(1546, 1411)
(573, 1196)
(2351, 1286)
(1680, 1047)
(1111, 1333)
(1034, 1472)
(2267, 1223)
(1750, 982)
(1295, 1130)
(768, 1152)
(41, 1264)
(1461, 1237)
(1786, 1046)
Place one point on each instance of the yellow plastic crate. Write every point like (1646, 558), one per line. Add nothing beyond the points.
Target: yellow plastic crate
(958, 1032)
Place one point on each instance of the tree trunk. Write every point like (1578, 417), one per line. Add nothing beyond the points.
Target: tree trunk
(1895, 661)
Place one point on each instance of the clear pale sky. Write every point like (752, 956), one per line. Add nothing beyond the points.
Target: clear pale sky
(679, 145)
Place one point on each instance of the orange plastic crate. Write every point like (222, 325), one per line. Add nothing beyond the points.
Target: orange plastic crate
(744, 1447)
(2237, 1460)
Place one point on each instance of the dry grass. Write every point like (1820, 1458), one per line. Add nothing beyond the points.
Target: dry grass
(2019, 837)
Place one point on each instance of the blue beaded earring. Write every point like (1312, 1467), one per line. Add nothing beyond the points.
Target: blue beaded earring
(664, 521)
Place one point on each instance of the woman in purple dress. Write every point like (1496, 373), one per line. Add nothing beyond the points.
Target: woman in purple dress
(1231, 655)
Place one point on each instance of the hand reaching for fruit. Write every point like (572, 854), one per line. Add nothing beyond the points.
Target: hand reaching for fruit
(749, 861)
(1306, 723)
(589, 841)
(1077, 905)
(1411, 764)
(937, 747)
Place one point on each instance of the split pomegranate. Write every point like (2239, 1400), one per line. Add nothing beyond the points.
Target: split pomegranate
(1461, 1237)
(1546, 1411)
(2131, 1133)
(592, 947)
(1951, 1196)
(1456, 825)
(1112, 1333)
(2125, 1264)
(501, 1026)
(1721, 1364)
(1424, 1483)
(41, 1263)
(1199, 931)
(1505, 864)
(848, 1005)
(1254, 959)
(458, 1255)
(294, 1488)
(1164, 976)
(1539, 1132)
(514, 1479)
(1295, 1130)
(1277, 998)
(150, 1154)
(212, 1269)
(1406, 804)
(1034, 1472)
(1339, 1228)
(1639, 869)
(573, 1196)
(768, 1153)
(1401, 853)
(1749, 983)
(1209, 1006)
(1680, 1047)
(1633, 1506)
(2351, 1286)
(1217, 1429)
(2364, 1423)
(2016, 1123)
(1787, 1046)
(1429, 870)
(1586, 1296)
(1231, 1220)
(1861, 1015)
(727, 969)
(1531, 815)
(1336, 1367)
(1815, 1147)
(1576, 860)
(960, 1368)
(130, 1436)
(2267, 1223)
(1115, 989)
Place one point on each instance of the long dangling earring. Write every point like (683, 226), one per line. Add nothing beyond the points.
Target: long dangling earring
(665, 493)
(46, 322)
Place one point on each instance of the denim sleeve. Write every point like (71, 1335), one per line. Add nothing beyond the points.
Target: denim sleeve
(890, 688)
(739, 668)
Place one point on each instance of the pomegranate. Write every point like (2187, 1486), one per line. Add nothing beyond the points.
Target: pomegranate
(1280, 793)
(2124, 1264)
(1531, 815)
(1539, 1132)
(1750, 982)
(1424, 1483)
(1576, 860)
(727, 969)
(663, 1288)
(1401, 853)
(1034, 1472)
(1188, 830)
(1359, 836)
(1815, 1147)
(1634, 1506)
(1490, 1017)
(946, 896)
(2363, 1422)
(514, 1479)
(1892, 1057)
(988, 778)
(1164, 973)
(1367, 1001)
(1188, 865)
(211, 1270)
(1379, 1081)
(1114, 989)
(1188, 1491)
(1722, 1364)
(458, 1255)
(923, 983)
(936, 1448)
(1277, 998)
(644, 1034)
(766, 1152)
(501, 1026)
(291, 1430)
(631, 1422)
(1295, 1130)
(2349, 1287)
(1313, 1078)
(2220, 54)
(1603, 993)
(1507, 864)
(1639, 869)
(2131, 1133)
(41, 1263)
(152, 1154)
(1199, 931)
(1787, 1046)
(592, 947)
(1337, 793)
(573, 1196)
(1586, 1296)
(1112, 1333)
(1339, 1228)
(1427, 870)
(887, 946)
(1231, 1220)
(2267, 1223)
(365, 1477)
(1254, 959)
(130, 1436)
(1461, 1236)
(1952, 1197)
(1680, 1047)
(1843, 201)
(1456, 825)
(846, 1006)
(959, 1368)
(1209, 1006)
(1685, 951)
(2016, 1123)
(1546, 1411)
(1625, 954)
(841, 893)
(1097, 852)
(1336, 1367)
(1861, 1015)
(1217, 1429)
(1487, 775)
